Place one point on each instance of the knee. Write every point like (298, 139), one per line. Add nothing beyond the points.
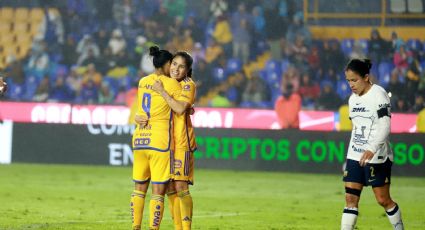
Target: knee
(384, 201)
(181, 186)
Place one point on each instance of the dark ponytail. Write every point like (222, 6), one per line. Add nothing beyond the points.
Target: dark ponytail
(188, 61)
(359, 66)
(160, 57)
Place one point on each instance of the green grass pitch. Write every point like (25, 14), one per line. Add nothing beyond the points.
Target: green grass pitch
(94, 197)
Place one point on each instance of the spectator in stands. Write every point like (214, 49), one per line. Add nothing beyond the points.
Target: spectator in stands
(74, 81)
(117, 42)
(297, 28)
(60, 92)
(297, 54)
(122, 12)
(401, 59)
(313, 58)
(395, 87)
(255, 90)
(87, 58)
(69, 50)
(240, 14)
(218, 8)
(213, 51)
(357, 52)
(287, 108)
(198, 52)
(102, 38)
(309, 91)
(401, 105)
(275, 27)
(15, 72)
(106, 95)
(395, 42)
(377, 47)
(328, 99)
(86, 45)
(91, 75)
(419, 103)
(203, 77)
(241, 41)
(89, 93)
(39, 59)
(290, 77)
(259, 23)
(222, 34)
(42, 92)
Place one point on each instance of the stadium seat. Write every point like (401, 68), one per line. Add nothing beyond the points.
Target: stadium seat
(384, 70)
(15, 91)
(273, 66)
(415, 6)
(219, 74)
(233, 65)
(343, 89)
(414, 44)
(36, 15)
(272, 77)
(5, 27)
(21, 14)
(398, 6)
(7, 38)
(347, 46)
(20, 27)
(7, 14)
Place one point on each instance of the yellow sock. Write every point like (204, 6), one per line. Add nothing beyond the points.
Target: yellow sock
(186, 207)
(156, 209)
(137, 203)
(174, 205)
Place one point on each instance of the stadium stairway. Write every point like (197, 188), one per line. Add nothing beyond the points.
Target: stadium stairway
(248, 69)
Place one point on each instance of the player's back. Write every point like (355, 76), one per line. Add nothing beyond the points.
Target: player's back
(183, 129)
(157, 134)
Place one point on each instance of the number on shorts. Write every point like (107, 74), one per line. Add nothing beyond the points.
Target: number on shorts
(372, 171)
(146, 104)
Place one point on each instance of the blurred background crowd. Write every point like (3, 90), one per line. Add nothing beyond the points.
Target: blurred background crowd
(80, 51)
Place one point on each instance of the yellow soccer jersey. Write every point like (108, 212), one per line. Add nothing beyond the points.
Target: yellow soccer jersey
(183, 129)
(157, 135)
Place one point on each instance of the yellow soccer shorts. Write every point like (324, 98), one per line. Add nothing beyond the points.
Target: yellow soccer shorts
(151, 165)
(183, 162)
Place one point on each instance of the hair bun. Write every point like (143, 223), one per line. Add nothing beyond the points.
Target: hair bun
(368, 63)
(154, 51)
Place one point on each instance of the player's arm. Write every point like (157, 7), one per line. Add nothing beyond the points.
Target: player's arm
(177, 106)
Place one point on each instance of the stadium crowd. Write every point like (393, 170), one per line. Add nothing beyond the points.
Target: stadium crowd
(92, 53)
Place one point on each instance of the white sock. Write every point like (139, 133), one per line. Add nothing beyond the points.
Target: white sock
(394, 215)
(349, 218)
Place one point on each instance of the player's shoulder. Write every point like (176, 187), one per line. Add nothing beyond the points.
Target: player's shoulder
(378, 91)
(169, 82)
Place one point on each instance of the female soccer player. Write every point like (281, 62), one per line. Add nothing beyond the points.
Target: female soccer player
(369, 157)
(152, 143)
(181, 70)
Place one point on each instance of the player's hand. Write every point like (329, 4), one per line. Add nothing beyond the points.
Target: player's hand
(367, 156)
(141, 120)
(157, 86)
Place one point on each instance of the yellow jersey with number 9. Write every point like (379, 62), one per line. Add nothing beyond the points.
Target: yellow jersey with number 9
(183, 129)
(158, 134)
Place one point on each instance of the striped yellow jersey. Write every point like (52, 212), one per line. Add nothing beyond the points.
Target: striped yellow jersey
(183, 129)
(157, 135)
